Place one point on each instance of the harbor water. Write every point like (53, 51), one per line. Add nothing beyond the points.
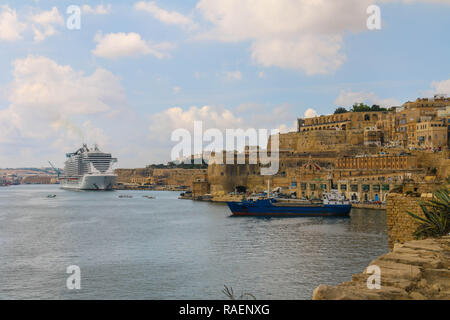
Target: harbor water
(166, 248)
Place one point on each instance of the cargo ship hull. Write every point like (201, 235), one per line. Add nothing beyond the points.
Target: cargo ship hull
(270, 208)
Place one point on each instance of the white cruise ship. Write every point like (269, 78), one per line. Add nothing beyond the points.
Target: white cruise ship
(88, 169)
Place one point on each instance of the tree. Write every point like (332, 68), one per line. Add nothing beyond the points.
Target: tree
(340, 110)
(360, 107)
(376, 107)
(172, 165)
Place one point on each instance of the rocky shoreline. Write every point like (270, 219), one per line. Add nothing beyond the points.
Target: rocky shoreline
(414, 270)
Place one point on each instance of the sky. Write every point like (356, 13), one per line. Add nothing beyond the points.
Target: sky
(135, 71)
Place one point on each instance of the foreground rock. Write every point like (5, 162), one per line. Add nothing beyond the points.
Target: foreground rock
(415, 270)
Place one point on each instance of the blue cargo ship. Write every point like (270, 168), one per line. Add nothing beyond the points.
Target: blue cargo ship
(332, 205)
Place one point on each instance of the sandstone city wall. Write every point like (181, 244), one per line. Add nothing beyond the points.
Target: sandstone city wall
(400, 225)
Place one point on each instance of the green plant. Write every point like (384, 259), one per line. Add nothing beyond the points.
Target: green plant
(435, 222)
(230, 294)
(360, 107)
(340, 110)
(376, 107)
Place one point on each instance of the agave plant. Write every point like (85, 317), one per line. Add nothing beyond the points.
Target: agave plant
(435, 222)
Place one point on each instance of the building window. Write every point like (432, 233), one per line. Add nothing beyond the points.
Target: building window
(354, 187)
(343, 187)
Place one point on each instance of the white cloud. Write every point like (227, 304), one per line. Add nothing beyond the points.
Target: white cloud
(277, 117)
(348, 98)
(99, 10)
(10, 26)
(48, 101)
(299, 34)
(118, 45)
(311, 113)
(44, 23)
(441, 87)
(245, 116)
(168, 17)
(307, 35)
(314, 55)
(233, 75)
(162, 124)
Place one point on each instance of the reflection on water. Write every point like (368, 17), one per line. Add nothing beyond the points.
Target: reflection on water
(165, 248)
(371, 221)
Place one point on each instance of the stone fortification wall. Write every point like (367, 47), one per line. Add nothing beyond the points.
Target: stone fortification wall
(400, 225)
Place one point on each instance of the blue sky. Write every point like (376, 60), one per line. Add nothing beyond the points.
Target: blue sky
(137, 72)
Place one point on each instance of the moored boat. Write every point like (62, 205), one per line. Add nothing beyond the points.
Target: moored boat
(332, 205)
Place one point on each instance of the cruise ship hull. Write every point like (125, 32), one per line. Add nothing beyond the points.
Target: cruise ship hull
(266, 208)
(100, 182)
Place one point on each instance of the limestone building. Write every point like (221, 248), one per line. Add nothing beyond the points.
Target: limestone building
(362, 154)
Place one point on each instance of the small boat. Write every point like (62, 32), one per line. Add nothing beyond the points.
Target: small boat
(333, 204)
(126, 196)
(51, 196)
(148, 197)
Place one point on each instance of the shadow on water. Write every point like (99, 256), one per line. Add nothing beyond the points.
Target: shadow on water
(360, 220)
(284, 217)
